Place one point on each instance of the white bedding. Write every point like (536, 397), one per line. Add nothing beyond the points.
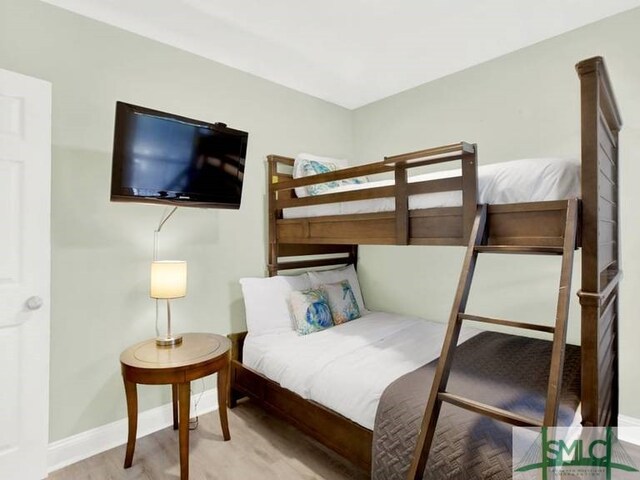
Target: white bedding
(529, 180)
(347, 367)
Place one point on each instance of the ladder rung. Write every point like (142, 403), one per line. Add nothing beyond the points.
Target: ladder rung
(489, 411)
(507, 323)
(520, 249)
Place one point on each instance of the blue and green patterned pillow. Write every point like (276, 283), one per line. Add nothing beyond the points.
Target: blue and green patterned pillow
(305, 167)
(354, 181)
(342, 301)
(313, 167)
(310, 310)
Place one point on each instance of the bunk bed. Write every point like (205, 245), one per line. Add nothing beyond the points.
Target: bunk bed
(318, 241)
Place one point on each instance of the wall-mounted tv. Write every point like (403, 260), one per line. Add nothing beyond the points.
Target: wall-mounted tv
(163, 158)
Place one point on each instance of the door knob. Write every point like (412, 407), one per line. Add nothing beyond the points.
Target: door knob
(34, 303)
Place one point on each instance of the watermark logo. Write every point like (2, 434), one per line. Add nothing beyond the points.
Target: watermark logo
(561, 453)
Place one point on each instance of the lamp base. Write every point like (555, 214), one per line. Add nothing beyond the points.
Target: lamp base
(169, 341)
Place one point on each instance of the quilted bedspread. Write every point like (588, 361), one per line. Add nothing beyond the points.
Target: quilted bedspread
(505, 371)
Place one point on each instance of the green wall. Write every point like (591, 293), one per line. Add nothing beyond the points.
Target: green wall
(101, 250)
(521, 105)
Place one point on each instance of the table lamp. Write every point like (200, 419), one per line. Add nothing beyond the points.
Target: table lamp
(168, 281)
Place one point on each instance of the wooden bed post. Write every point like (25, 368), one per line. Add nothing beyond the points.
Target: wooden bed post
(353, 256)
(237, 343)
(469, 187)
(272, 215)
(600, 244)
(402, 205)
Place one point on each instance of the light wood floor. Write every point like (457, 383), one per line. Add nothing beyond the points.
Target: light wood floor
(261, 448)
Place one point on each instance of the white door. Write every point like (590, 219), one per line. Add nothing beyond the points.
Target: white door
(25, 176)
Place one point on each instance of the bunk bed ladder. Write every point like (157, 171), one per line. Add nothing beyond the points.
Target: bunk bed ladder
(439, 394)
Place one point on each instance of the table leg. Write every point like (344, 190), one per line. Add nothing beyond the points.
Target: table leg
(132, 412)
(223, 395)
(174, 394)
(184, 401)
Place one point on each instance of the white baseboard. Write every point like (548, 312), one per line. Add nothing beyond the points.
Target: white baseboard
(629, 429)
(86, 444)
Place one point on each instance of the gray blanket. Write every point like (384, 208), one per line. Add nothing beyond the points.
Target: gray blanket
(502, 370)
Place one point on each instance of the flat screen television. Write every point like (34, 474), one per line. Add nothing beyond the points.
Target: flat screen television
(164, 158)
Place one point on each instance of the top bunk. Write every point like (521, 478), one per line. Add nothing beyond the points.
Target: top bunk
(424, 209)
(438, 209)
(443, 225)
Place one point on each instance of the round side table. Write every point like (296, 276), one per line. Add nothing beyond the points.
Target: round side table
(199, 355)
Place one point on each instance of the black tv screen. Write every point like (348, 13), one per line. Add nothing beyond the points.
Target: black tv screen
(163, 158)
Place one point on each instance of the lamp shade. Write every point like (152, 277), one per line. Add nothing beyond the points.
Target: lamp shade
(168, 279)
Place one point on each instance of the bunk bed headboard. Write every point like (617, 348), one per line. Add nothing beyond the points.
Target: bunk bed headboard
(600, 125)
(282, 256)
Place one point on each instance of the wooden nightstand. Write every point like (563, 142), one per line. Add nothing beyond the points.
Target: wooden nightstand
(199, 355)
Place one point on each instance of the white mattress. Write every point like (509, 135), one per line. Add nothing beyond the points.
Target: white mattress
(529, 180)
(347, 367)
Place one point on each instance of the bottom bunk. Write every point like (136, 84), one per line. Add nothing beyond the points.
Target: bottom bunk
(361, 388)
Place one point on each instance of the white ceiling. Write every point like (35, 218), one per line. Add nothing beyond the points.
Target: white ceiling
(349, 52)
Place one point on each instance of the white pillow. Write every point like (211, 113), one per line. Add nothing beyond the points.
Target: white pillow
(337, 275)
(266, 302)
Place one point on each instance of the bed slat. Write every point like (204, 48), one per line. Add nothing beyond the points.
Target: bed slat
(522, 250)
(507, 323)
(490, 411)
(364, 194)
(462, 147)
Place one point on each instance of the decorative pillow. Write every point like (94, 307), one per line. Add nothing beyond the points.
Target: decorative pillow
(323, 277)
(266, 302)
(311, 310)
(353, 181)
(306, 164)
(313, 167)
(342, 302)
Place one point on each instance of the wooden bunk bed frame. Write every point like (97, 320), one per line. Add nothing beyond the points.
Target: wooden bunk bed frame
(334, 240)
